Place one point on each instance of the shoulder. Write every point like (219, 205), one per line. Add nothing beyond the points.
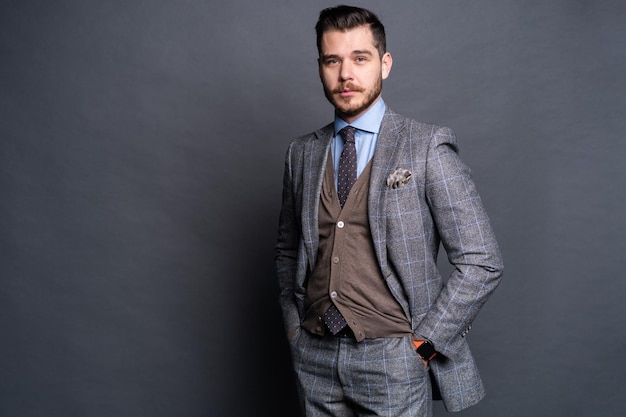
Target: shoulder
(311, 143)
(317, 135)
(398, 121)
(416, 130)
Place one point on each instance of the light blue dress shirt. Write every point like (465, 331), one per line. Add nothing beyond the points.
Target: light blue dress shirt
(368, 126)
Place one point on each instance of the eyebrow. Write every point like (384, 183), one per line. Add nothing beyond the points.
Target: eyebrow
(355, 52)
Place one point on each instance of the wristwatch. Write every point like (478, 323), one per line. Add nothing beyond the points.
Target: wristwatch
(425, 349)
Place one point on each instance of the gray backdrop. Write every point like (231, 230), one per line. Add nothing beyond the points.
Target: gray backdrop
(141, 161)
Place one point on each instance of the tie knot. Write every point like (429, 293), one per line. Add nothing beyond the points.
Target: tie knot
(347, 133)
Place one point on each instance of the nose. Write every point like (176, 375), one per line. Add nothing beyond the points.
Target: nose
(346, 71)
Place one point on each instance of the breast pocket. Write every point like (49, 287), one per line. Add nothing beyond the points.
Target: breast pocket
(408, 219)
(403, 200)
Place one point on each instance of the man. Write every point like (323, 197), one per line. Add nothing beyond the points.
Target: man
(369, 318)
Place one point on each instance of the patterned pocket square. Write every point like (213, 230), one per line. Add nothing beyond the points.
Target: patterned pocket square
(399, 178)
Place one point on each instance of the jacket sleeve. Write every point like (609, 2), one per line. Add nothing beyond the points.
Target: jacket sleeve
(467, 237)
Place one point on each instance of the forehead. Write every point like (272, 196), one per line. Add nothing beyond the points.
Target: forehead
(338, 42)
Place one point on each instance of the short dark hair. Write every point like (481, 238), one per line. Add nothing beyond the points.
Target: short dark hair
(344, 18)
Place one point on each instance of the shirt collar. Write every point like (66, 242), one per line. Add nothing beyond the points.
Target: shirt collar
(370, 121)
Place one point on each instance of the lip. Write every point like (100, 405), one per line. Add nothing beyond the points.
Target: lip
(347, 93)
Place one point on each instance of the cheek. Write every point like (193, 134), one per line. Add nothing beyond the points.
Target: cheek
(326, 74)
(327, 79)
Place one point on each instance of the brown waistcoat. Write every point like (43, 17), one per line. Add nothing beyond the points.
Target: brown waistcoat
(347, 270)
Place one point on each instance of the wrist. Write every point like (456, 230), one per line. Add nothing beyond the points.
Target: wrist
(425, 349)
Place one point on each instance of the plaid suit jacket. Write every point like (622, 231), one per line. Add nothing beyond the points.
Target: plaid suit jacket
(438, 204)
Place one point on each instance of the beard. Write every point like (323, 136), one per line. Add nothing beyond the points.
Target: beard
(348, 107)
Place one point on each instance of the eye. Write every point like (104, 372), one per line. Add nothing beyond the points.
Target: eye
(361, 59)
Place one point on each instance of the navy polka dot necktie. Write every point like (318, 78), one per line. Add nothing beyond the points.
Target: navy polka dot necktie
(345, 180)
(347, 164)
(334, 319)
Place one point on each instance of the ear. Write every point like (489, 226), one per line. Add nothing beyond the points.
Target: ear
(386, 62)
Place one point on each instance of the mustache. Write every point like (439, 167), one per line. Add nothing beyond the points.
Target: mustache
(348, 86)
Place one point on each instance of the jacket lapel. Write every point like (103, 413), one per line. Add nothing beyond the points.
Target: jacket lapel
(315, 158)
(390, 140)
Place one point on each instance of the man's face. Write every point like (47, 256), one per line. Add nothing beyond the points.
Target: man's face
(351, 70)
